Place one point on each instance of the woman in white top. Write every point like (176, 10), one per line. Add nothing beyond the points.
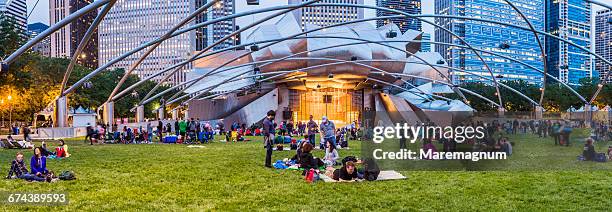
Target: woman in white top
(331, 155)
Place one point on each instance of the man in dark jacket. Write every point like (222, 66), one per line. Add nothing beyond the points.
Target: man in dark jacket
(268, 132)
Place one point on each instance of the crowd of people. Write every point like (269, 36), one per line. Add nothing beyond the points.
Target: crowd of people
(331, 139)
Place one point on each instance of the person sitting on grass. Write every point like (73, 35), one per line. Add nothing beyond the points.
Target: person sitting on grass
(38, 163)
(62, 150)
(299, 149)
(45, 152)
(347, 173)
(331, 155)
(307, 160)
(506, 146)
(280, 139)
(18, 170)
(25, 144)
(287, 138)
(589, 150)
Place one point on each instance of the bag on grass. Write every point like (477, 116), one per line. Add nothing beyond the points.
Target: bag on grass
(371, 170)
(67, 175)
(310, 176)
(600, 157)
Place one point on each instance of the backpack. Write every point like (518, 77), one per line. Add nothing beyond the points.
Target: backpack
(600, 157)
(67, 175)
(371, 170)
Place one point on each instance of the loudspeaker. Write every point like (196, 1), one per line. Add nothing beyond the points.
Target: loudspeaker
(287, 114)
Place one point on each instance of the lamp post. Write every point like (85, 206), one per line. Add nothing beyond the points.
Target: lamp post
(2, 103)
(9, 98)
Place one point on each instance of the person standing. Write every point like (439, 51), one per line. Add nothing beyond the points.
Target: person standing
(183, 127)
(328, 130)
(268, 131)
(312, 128)
(176, 127)
(160, 127)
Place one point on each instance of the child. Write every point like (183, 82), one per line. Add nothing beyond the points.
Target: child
(610, 153)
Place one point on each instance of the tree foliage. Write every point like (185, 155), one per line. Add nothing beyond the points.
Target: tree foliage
(34, 82)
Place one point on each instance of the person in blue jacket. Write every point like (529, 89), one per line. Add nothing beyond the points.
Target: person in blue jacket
(38, 163)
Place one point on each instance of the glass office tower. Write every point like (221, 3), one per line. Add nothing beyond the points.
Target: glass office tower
(509, 41)
(571, 20)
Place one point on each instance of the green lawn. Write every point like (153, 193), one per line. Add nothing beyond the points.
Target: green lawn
(232, 177)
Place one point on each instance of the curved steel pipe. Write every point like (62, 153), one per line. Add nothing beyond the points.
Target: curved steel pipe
(67, 20)
(517, 61)
(539, 44)
(86, 38)
(162, 38)
(441, 16)
(344, 61)
(241, 30)
(284, 39)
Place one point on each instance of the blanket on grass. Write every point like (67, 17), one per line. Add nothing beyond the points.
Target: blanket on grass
(384, 175)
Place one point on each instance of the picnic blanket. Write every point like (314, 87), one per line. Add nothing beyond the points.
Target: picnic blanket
(196, 146)
(384, 175)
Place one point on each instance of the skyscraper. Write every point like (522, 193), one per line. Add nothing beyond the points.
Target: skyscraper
(325, 16)
(509, 41)
(404, 23)
(603, 43)
(65, 41)
(43, 47)
(17, 10)
(571, 20)
(130, 23)
(206, 36)
(425, 46)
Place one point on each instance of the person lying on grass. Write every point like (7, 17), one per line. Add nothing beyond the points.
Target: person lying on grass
(347, 173)
(19, 171)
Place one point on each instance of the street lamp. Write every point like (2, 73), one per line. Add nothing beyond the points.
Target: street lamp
(2, 103)
(9, 98)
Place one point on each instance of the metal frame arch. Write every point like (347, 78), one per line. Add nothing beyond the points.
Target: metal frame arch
(517, 61)
(367, 41)
(294, 37)
(290, 9)
(67, 20)
(323, 65)
(162, 38)
(152, 42)
(543, 53)
(436, 26)
(86, 38)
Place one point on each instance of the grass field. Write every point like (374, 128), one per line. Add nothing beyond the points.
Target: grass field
(232, 177)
